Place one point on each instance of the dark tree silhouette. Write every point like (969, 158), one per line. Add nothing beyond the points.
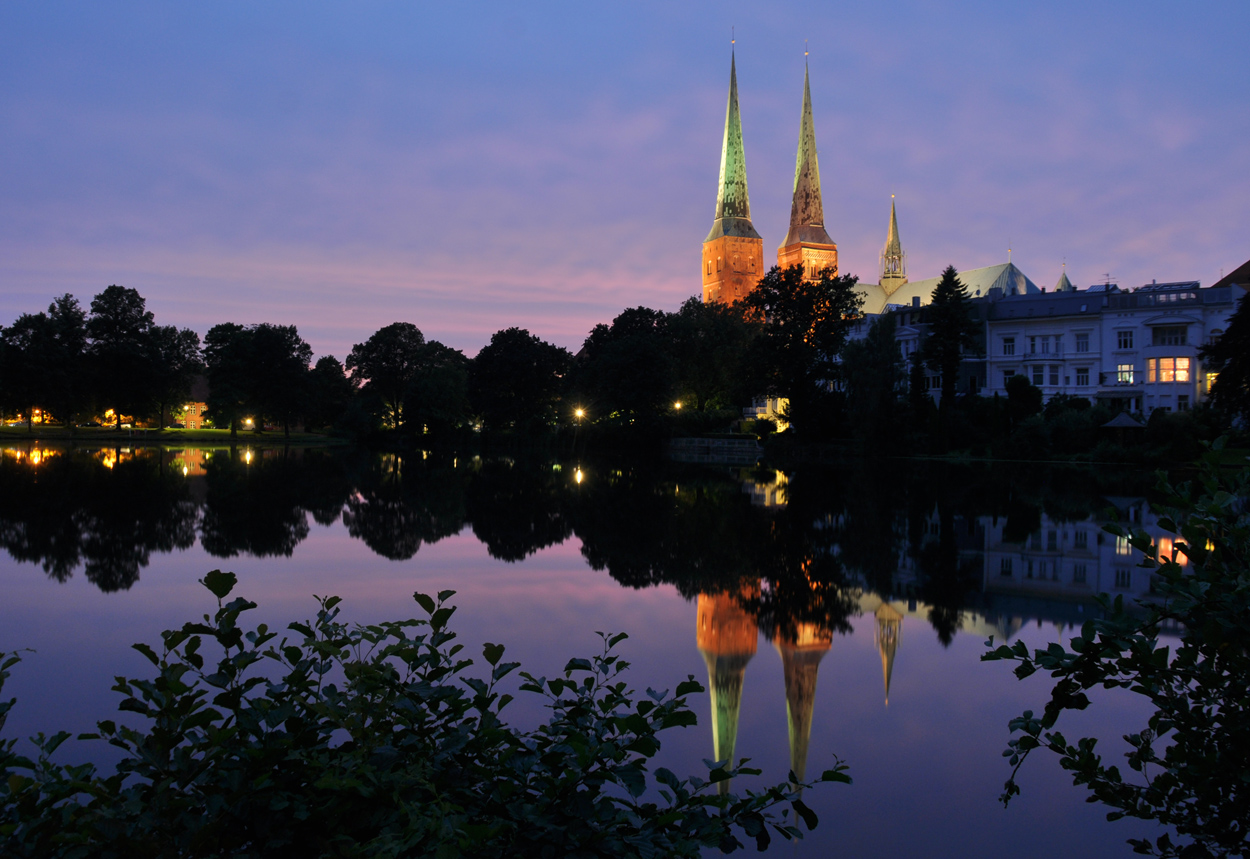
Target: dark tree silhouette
(517, 380)
(120, 328)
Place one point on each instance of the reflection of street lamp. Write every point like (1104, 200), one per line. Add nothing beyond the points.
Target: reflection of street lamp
(577, 476)
(247, 457)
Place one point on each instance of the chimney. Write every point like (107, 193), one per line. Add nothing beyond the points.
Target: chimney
(915, 301)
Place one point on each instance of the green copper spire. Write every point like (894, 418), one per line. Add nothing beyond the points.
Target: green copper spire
(800, 667)
(733, 207)
(725, 675)
(807, 213)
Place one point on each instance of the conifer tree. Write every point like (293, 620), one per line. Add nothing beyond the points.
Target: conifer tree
(1230, 357)
(952, 332)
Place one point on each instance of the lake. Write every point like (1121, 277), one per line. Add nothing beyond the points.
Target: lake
(834, 611)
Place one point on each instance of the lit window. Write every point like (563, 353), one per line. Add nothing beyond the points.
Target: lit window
(1122, 546)
(1151, 374)
(1124, 374)
(1124, 339)
(1082, 342)
(1182, 369)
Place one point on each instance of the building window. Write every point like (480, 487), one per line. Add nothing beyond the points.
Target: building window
(1124, 374)
(1182, 403)
(1009, 345)
(1032, 345)
(1082, 342)
(1169, 335)
(1007, 374)
(709, 265)
(1028, 569)
(1122, 546)
(751, 264)
(1058, 344)
(1078, 574)
(1082, 377)
(720, 263)
(1038, 372)
(1052, 541)
(1123, 578)
(1045, 345)
(1004, 567)
(1167, 370)
(1054, 374)
(1124, 339)
(1080, 539)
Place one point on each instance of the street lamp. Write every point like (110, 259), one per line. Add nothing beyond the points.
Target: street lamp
(579, 414)
(677, 405)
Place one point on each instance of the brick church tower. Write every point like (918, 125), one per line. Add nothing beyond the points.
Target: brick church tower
(733, 252)
(807, 244)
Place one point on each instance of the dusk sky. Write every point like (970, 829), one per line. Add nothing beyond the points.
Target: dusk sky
(468, 166)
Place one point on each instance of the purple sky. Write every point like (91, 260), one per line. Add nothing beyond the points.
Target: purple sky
(468, 167)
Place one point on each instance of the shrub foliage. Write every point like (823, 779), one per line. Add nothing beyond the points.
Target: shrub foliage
(374, 741)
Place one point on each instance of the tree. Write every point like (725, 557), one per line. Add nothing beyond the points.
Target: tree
(25, 348)
(1023, 399)
(120, 329)
(438, 394)
(805, 324)
(176, 362)
(873, 371)
(330, 390)
(279, 360)
(708, 342)
(1229, 356)
(518, 380)
(227, 357)
(625, 369)
(385, 365)
(952, 332)
(67, 386)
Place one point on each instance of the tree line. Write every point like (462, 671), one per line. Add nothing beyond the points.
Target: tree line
(646, 364)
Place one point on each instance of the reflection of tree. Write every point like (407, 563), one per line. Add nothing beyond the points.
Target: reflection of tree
(403, 502)
(72, 510)
(515, 510)
(253, 508)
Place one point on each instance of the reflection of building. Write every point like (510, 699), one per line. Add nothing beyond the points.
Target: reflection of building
(727, 637)
(886, 635)
(800, 658)
(766, 492)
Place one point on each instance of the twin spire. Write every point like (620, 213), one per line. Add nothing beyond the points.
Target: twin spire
(807, 213)
(733, 206)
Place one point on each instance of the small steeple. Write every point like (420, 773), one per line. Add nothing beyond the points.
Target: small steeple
(1065, 285)
(733, 206)
(807, 213)
(893, 258)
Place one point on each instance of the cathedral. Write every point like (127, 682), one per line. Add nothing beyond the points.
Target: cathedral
(733, 252)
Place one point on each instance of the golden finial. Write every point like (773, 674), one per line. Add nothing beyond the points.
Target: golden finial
(805, 47)
(732, 40)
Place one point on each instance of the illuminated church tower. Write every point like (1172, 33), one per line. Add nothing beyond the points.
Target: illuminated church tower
(807, 244)
(893, 259)
(733, 252)
(727, 637)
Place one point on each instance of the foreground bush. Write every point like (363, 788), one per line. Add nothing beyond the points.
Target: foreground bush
(373, 742)
(1189, 769)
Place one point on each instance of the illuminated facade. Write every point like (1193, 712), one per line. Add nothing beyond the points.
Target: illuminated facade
(733, 252)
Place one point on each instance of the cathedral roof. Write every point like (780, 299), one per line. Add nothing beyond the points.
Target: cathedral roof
(1064, 285)
(807, 214)
(978, 281)
(733, 206)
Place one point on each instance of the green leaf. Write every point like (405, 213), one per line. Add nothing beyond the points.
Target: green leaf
(147, 651)
(493, 653)
(425, 601)
(219, 583)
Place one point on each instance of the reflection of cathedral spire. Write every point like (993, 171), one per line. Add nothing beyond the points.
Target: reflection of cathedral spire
(886, 636)
(727, 637)
(800, 657)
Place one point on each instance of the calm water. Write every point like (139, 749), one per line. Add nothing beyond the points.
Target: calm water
(834, 611)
